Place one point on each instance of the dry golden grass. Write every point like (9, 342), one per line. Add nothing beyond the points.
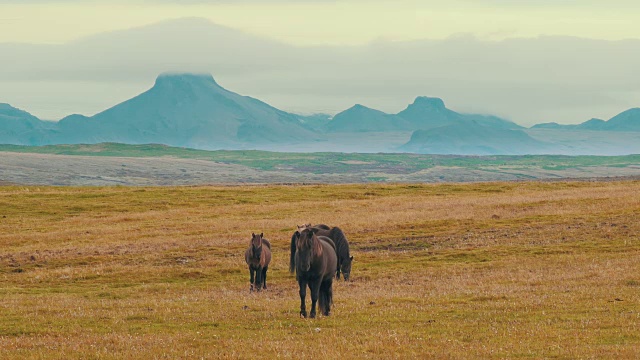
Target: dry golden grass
(496, 270)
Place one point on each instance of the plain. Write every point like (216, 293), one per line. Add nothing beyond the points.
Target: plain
(480, 270)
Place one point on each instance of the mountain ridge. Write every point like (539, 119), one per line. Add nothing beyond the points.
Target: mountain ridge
(193, 110)
(628, 120)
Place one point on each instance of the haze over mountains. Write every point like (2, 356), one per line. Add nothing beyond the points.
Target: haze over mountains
(535, 80)
(193, 110)
(625, 121)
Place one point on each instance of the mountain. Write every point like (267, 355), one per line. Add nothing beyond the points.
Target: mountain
(193, 110)
(628, 120)
(427, 113)
(188, 110)
(593, 124)
(473, 138)
(363, 119)
(444, 131)
(424, 113)
(21, 128)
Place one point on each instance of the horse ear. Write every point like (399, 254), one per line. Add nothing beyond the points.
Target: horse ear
(261, 234)
(253, 235)
(351, 258)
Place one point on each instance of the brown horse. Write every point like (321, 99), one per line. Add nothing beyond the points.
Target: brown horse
(314, 261)
(342, 247)
(258, 256)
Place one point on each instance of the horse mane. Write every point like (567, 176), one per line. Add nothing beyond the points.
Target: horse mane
(317, 245)
(322, 226)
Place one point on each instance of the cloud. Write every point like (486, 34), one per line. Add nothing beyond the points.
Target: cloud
(562, 79)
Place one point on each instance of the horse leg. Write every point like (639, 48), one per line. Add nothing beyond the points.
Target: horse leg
(264, 278)
(338, 271)
(326, 296)
(303, 294)
(259, 279)
(251, 271)
(315, 292)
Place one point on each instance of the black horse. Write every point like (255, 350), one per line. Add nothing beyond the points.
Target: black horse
(258, 257)
(315, 262)
(342, 247)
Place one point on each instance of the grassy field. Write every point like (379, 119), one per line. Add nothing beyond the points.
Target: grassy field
(493, 270)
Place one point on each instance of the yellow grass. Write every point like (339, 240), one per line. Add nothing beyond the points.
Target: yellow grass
(497, 270)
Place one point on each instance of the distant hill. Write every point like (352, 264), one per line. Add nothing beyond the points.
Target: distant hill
(360, 118)
(473, 138)
(21, 128)
(424, 113)
(625, 121)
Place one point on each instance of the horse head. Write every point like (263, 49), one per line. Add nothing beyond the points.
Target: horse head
(345, 267)
(256, 245)
(307, 248)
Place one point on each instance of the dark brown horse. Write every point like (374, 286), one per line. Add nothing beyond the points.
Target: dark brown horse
(342, 247)
(258, 256)
(314, 261)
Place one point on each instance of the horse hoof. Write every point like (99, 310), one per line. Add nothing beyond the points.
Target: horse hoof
(313, 315)
(303, 314)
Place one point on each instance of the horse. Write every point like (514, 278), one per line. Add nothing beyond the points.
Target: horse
(342, 247)
(315, 262)
(258, 257)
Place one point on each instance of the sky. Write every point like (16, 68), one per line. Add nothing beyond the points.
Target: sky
(344, 22)
(529, 61)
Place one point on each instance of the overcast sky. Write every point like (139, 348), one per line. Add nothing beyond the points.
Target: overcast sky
(492, 56)
(306, 22)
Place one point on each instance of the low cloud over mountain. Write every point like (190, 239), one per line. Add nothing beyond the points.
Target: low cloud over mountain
(536, 80)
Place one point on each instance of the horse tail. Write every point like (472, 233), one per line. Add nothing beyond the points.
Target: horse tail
(292, 258)
(266, 242)
(342, 245)
(326, 296)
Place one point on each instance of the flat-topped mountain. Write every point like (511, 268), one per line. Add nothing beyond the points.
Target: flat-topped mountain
(190, 110)
(427, 113)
